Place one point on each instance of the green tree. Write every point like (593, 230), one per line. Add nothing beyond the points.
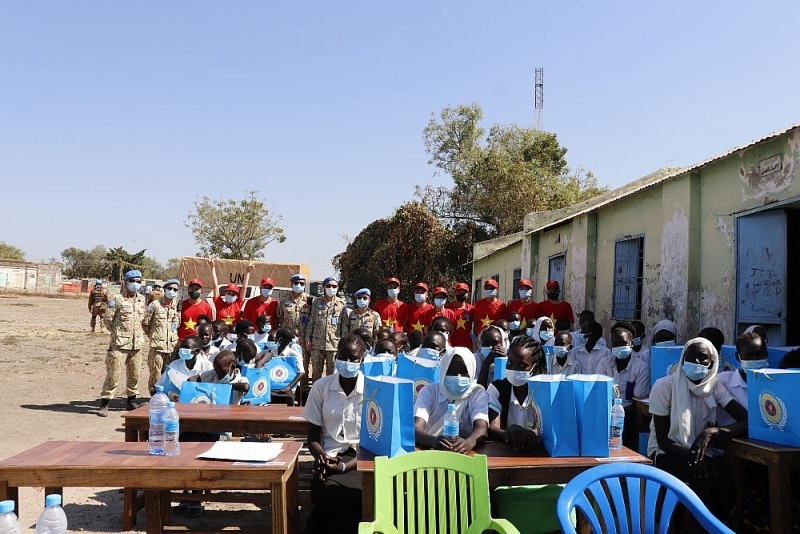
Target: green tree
(151, 268)
(499, 178)
(122, 261)
(80, 263)
(233, 229)
(171, 268)
(10, 252)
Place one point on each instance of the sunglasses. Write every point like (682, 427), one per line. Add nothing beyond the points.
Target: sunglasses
(300, 283)
(331, 287)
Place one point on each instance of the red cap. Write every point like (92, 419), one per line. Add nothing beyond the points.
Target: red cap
(268, 282)
(395, 280)
(438, 290)
(552, 285)
(232, 287)
(423, 285)
(525, 283)
(195, 281)
(490, 282)
(462, 285)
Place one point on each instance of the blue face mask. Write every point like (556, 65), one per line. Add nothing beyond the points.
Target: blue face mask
(529, 332)
(428, 354)
(266, 328)
(694, 371)
(544, 335)
(579, 339)
(525, 293)
(489, 293)
(185, 354)
(754, 364)
(560, 352)
(266, 292)
(637, 341)
(622, 353)
(514, 325)
(170, 293)
(439, 302)
(134, 286)
(485, 351)
(362, 303)
(457, 385)
(347, 369)
(392, 293)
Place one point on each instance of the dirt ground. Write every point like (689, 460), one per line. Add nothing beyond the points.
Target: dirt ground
(53, 368)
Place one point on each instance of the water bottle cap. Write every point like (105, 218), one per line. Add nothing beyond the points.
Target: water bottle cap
(170, 405)
(159, 389)
(617, 401)
(53, 499)
(6, 506)
(451, 406)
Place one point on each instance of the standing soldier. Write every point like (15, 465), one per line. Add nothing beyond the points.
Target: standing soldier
(321, 329)
(124, 321)
(98, 303)
(161, 325)
(293, 312)
(362, 317)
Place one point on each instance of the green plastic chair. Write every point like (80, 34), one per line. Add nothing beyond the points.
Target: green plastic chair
(427, 492)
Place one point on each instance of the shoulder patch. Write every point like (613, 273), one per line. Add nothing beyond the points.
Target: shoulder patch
(112, 303)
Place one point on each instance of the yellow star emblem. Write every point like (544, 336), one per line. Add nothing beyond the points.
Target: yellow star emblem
(389, 322)
(486, 321)
(228, 320)
(417, 326)
(523, 324)
(190, 324)
(461, 323)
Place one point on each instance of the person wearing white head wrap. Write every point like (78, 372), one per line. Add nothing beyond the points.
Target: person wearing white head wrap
(684, 406)
(543, 330)
(456, 386)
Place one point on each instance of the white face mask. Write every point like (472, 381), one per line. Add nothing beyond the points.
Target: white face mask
(489, 293)
(297, 288)
(525, 293)
(331, 291)
(439, 302)
(517, 378)
(171, 293)
(420, 297)
(514, 325)
(266, 291)
(230, 299)
(392, 293)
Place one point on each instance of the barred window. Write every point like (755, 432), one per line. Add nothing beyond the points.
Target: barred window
(628, 269)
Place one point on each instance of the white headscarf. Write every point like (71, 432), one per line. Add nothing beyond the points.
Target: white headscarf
(503, 336)
(684, 426)
(435, 427)
(538, 327)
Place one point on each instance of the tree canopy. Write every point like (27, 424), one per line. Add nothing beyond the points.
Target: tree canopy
(499, 177)
(79, 263)
(10, 252)
(232, 229)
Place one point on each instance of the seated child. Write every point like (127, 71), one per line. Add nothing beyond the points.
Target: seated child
(714, 335)
(751, 351)
(189, 362)
(384, 332)
(207, 348)
(219, 331)
(244, 329)
(665, 334)
(503, 325)
(385, 347)
(563, 363)
(225, 371)
(400, 340)
(543, 330)
(493, 342)
(263, 328)
(433, 347)
(414, 340)
(514, 325)
(285, 350)
(443, 325)
(366, 336)
(640, 350)
(587, 349)
(457, 386)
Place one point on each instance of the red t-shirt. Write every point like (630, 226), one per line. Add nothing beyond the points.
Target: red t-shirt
(189, 314)
(393, 314)
(486, 313)
(415, 318)
(230, 313)
(461, 336)
(561, 310)
(433, 314)
(529, 311)
(254, 307)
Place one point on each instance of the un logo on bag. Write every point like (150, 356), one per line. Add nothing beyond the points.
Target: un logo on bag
(773, 410)
(374, 420)
(278, 373)
(419, 383)
(261, 387)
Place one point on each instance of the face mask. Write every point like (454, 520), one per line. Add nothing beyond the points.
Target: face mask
(637, 342)
(529, 332)
(134, 286)
(754, 364)
(485, 351)
(545, 334)
(217, 339)
(488, 293)
(579, 339)
(331, 291)
(694, 371)
(517, 378)
(194, 294)
(265, 328)
(251, 337)
(560, 352)
(185, 354)
(347, 369)
(668, 343)
(457, 385)
(553, 296)
(227, 379)
(622, 353)
(295, 340)
(297, 288)
(393, 292)
(233, 338)
(230, 299)
(207, 344)
(170, 293)
(266, 292)
(362, 303)
(439, 302)
(461, 297)
(420, 297)
(428, 354)
(515, 325)
(525, 293)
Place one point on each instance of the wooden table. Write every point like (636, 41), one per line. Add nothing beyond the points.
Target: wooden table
(506, 468)
(58, 464)
(780, 460)
(238, 419)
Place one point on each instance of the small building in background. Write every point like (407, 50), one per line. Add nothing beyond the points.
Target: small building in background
(30, 277)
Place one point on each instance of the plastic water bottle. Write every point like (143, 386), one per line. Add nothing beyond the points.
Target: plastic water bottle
(617, 422)
(172, 446)
(52, 520)
(9, 524)
(450, 431)
(158, 407)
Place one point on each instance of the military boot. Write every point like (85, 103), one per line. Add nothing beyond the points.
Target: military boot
(103, 408)
(132, 404)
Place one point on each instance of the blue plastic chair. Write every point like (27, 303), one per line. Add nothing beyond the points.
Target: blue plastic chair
(632, 505)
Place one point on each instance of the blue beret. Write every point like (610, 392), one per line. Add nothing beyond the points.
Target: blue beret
(297, 277)
(329, 279)
(133, 274)
(98, 282)
(172, 281)
(363, 291)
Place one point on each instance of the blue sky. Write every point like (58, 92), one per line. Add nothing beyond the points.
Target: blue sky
(116, 116)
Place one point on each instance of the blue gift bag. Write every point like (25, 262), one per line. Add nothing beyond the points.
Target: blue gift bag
(171, 390)
(500, 367)
(282, 370)
(776, 354)
(593, 394)
(260, 387)
(387, 417)
(772, 397)
(554, 397)
(205, 393)
(378, 366)
(663, 361)
(727, 358)
(420, 371)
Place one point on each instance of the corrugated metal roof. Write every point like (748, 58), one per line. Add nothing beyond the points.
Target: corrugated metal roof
(650, 180)
(503, 242)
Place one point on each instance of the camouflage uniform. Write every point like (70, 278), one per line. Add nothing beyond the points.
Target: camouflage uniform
(352, 320)
(321, 331)
(124, 321)
(98, 304)
(293, 313)
(160, 324)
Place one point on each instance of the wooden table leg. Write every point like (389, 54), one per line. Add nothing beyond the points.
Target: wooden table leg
(281, 501)
(128, 508)
(780, 506)
(367, 496)
(293, 513)
(153, 512)
(737, 473)
(9, 493)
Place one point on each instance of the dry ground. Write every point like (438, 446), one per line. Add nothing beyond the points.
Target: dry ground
(52, 373)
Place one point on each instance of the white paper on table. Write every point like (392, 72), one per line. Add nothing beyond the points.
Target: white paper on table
(176, 377)
(296, 418)
(242, 451)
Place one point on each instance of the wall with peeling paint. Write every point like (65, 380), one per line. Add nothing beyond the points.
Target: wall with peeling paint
(502, 262)
(552, 242)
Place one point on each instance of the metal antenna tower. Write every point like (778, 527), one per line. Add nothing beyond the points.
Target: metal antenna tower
(539, 100)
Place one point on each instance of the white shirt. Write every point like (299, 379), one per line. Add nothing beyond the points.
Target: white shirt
(337, 414)
(524, 415)
(636, 373)
(589, 360)
(737, 387)
(212, 352)
(644, 355)
(200, 365)
(210, 377)
(431, 405)
(570, 367)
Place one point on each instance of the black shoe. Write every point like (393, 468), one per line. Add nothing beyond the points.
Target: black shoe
(103, 412)
(132, 404)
